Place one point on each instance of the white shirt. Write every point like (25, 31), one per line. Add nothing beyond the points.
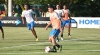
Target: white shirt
(28, 14)
(59, 13)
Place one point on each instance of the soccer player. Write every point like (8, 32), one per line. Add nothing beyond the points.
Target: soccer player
(59, 13)
(65, 21)
(29, 14)
(1, 25)
(56, 28)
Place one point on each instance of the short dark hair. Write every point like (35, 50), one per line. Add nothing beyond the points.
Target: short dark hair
(27, 5)
(51, 6)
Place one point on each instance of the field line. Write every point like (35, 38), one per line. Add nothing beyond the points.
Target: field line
(25, 45)
(24, 53)
(45, 52)
(93, 50)
(49, 42)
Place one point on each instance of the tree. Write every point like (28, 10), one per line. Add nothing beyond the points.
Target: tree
(77, 7)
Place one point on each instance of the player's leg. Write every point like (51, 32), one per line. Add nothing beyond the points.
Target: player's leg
(59, 46)
(33, 30)
(69, 31)
(63, 25)
(62, 33)
(68, 26)
(52, 38)
(2, 31)
(34, 33)
(53, 41)
(31, 27)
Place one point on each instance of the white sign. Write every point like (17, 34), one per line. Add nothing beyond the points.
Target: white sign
(87, 22)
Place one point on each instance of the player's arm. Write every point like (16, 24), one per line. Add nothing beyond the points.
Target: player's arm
(69, 14)
(35, 17)
(60, 26)
(0, 17)
(48, 25)
(23, 18)
(63, 14)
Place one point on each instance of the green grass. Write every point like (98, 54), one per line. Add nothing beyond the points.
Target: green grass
(20, 41)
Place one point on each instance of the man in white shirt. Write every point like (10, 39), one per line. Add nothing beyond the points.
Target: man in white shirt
(59, 13)
(28, 14)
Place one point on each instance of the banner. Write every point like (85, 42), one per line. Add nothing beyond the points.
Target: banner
(17, 22)
(87, 22)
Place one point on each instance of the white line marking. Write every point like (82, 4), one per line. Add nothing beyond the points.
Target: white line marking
(45, 52)
(24, 53)
(78, 39)
(24, 45)
(89, 42)
(82, 41)
(48, 42)
(93, 50)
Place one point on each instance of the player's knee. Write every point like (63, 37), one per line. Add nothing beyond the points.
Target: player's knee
(32, 28)
(50, 39)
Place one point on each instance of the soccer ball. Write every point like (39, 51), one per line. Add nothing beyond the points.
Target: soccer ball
(47, 49)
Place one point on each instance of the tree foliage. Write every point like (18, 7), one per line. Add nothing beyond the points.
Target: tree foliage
(77, 7)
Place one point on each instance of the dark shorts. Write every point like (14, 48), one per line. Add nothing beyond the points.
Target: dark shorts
(0, 24)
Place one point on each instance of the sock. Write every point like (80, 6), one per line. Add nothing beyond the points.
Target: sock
(62, 35)
(54, 47)
(68, 34)
(57, 38)
(36, 37)
(58, 45)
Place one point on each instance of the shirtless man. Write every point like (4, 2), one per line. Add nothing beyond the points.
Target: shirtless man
(65, 21)
(56, 28)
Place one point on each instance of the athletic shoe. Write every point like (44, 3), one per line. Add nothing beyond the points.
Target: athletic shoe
(60, 48)
(57, 39)
(62, 38)
(69, 35)
(52, 50)
(37, 39)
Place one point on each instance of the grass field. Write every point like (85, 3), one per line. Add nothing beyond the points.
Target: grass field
(20, 41)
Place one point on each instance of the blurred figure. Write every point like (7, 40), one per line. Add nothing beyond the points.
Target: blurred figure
(56, 28)
(59, 13)
(2, 31)
(29, 14)
(66, 20)
(16, 14)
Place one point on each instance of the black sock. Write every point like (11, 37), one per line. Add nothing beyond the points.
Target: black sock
(54, 47)
(68, 34)
(57, 38)
(58, 45)
(62, 35)
(36, 36)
